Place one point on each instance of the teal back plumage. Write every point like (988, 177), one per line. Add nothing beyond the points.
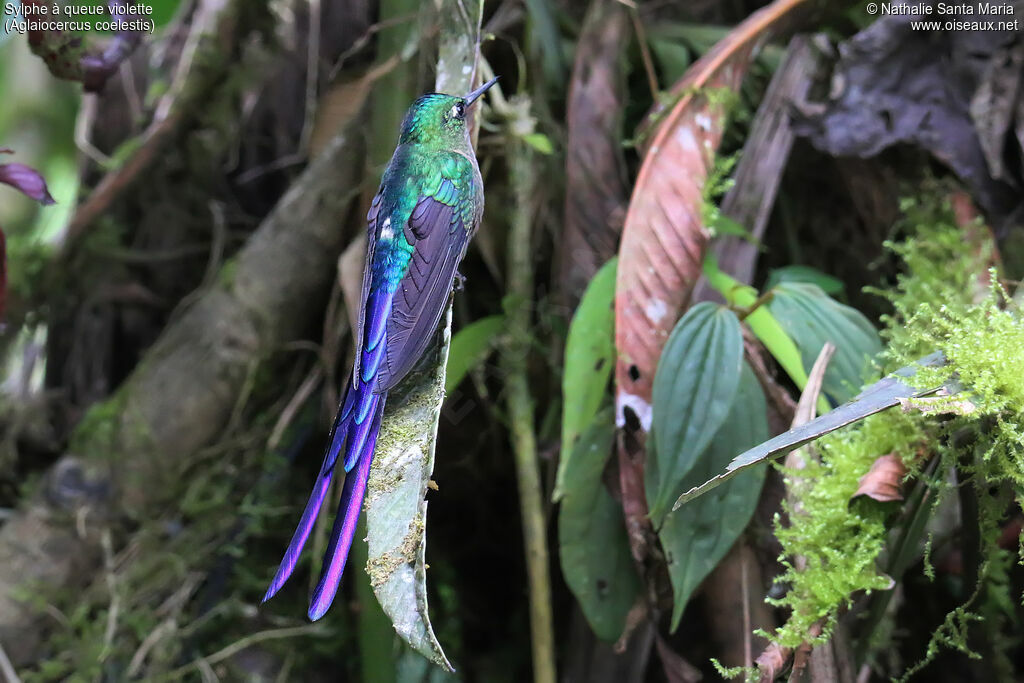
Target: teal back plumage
(434, 159)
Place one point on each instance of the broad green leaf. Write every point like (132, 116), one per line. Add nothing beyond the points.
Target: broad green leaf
(828, 284)
(761, 322)
(811, 318)
(874, 399)
(694, 388)
(589, 360)
(697, 536)
(396, 512)
(672, 57)
(593, 547)
(470, 346)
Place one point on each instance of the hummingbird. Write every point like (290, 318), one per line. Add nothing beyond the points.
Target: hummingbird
(428, 207)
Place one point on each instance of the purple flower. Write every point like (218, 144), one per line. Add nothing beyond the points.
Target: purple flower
(31, 184)
(26, 179)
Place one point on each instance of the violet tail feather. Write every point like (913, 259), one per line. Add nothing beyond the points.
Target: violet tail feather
(345, 523)
(355, 431)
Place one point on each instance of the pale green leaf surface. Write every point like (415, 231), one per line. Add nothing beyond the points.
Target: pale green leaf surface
(828, 284)
(694, 388)
(593, 546)
(589, 360)
(470, 346)
(761, 322)
(811, 318)
(698, 535)
(396, 512)
(540, 142)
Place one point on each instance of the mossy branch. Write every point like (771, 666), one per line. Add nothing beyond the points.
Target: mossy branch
(520, 408)
(127, 453)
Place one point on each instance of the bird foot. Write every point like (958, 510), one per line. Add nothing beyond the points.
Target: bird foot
(460, 281)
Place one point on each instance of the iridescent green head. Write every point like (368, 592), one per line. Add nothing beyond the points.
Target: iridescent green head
(439, 119)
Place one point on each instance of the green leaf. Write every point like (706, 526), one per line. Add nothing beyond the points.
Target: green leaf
(545, 39)
(697, 536)
(874, 399)
(589, 360)
(540, 142)
(593, 546)
(694, 388)
(470, 346)
(672, 57)
(761, 322)
(828, 284)
(811, 318)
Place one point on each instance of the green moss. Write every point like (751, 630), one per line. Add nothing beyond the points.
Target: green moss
(97, 433)
(944, 302)
(227, 272)
(382, 568)
(838, 542)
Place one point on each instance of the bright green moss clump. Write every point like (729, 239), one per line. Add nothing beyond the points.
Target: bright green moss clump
(838, 542)
(947, 300)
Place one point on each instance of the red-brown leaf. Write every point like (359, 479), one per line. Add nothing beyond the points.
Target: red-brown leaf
(663, 239)
(772, 662)
(883, 480)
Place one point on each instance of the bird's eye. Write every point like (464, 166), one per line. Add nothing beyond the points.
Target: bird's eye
(459, 111)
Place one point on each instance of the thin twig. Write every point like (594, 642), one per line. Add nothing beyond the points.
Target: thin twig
(131, 94)
(6, 668)
(761, 301)
(170, 112)
(83, 122)
(645, 51)
(115, 600)
(312, 73)
(748, 649)
(364, 40)
(166, 628)
(305, 390)
(248, 641)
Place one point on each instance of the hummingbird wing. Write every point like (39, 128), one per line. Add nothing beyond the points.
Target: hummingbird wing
(438, 228)
(371, 244)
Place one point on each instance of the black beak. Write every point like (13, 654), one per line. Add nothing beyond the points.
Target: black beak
(472, 97)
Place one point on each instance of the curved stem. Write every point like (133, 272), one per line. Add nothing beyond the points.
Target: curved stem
(520, 408)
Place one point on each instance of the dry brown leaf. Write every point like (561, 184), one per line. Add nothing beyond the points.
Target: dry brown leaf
(350, 277)
(978, 238)
(883, 481)
(663, 239)
(878, 100)
(772, 661)
(342, 102)
(595, 184)
(762, 162)
(993, 104)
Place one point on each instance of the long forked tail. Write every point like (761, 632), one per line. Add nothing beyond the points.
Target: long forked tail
(355, 429)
